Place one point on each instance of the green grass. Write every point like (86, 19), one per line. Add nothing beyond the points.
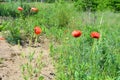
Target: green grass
(82, 58)
(85, 58)
(32, 67)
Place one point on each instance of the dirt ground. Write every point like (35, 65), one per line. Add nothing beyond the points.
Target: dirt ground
(10, 60)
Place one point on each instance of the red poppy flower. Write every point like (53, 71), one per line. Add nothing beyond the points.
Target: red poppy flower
(95, 35)
(37, 30)
(20, 8)
(34, 9)
(76, 33)
(1, 38)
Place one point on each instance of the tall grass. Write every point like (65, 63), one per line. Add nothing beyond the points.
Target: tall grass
(85, 58)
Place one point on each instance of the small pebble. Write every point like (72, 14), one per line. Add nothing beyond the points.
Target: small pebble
(52, 74)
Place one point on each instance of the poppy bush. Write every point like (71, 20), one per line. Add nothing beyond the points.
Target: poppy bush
(11, 9)
(20, 30)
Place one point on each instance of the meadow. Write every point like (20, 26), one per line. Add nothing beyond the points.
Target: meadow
(74, 58)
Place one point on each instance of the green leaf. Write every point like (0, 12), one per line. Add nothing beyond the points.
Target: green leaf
(41, 78)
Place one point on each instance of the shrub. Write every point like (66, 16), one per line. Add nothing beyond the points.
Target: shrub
(115, 5)
(95, 5)
(86, 5)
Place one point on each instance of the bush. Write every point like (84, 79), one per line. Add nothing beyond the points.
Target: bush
(115, 5)
(86, 5)
(95, 5)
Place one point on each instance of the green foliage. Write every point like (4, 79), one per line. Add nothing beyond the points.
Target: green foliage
(8, 10)
(26, 9)
(63, 14)
(115, 5)
(13, 35)
(30, 69)
(50, 1)
(96, 5)
(55, 15)
(85, 58)
(1, 27)
(87, 5)
(15, 31)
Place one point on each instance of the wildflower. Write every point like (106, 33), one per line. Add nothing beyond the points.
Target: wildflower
(34, 9)
(20, 8)
(37, 30)
(95, 35)
(76, 33)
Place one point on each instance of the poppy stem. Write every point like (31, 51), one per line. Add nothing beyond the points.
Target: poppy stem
(36, 39)
(93, 46)
(93, 56)
(92, 52)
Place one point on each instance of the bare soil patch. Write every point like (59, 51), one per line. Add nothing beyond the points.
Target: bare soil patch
(10, 60)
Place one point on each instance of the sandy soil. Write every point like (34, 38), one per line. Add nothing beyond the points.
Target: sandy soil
(10, 60)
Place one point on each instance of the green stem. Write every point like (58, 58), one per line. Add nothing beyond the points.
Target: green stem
(92, 56)
(36, 39)
(21, 3)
